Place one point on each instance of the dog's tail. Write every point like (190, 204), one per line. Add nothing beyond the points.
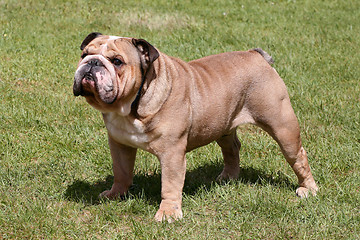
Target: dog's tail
(265, 55)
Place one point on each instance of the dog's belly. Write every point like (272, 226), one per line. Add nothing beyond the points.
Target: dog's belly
(204, 131)
(200, 140)
(207, 130)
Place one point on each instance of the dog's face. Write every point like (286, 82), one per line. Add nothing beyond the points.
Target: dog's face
(111, 71)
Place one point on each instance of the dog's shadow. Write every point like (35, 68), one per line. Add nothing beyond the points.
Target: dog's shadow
(149, 186)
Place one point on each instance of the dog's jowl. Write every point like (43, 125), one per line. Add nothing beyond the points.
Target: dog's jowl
(168, 107)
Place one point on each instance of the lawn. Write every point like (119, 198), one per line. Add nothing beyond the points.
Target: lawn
(54, 157)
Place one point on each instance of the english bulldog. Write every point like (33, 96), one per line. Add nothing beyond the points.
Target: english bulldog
(168, 107)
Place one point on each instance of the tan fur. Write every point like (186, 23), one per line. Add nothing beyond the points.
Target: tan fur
(183, 106)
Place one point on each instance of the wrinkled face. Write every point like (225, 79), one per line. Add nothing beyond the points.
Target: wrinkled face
(110, 71)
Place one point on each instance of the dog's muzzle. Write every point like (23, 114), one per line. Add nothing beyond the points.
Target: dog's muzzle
(93, 78)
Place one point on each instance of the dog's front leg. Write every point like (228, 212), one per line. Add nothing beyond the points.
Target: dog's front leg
(123, 165)
(173, 168)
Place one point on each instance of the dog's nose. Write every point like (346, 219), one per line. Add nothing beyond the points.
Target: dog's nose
(95, 62)
(88, 76)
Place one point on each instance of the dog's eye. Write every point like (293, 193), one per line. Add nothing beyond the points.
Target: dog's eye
(116, 61)
(84, 55)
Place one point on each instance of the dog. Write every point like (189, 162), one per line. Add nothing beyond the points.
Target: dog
(168, 107)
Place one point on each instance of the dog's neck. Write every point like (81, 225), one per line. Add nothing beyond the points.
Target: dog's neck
(154, 91)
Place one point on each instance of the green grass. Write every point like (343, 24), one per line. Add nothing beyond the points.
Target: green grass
(54, 157)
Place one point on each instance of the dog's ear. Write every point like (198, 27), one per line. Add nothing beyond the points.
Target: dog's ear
(89, 38)
(147, 51)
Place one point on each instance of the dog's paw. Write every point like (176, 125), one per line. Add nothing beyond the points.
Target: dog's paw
(169, 212)
(228, 175)
(109, 194)
(303, 192)
(117, 191)
(169, 216)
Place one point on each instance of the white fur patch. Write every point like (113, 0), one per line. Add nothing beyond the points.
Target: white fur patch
(116, 37)
(126, 130)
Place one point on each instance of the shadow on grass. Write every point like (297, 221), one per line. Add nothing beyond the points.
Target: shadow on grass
(149, 186)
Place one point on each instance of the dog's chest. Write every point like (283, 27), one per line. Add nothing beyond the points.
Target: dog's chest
(127, 131)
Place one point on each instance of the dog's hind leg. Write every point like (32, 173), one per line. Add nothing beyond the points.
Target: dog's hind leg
(282, 125)
(230, 146)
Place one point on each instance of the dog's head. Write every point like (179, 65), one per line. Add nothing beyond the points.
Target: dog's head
(111, 71)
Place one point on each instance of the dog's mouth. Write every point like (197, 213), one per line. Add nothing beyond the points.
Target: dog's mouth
(93, 79)
(87, 86)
